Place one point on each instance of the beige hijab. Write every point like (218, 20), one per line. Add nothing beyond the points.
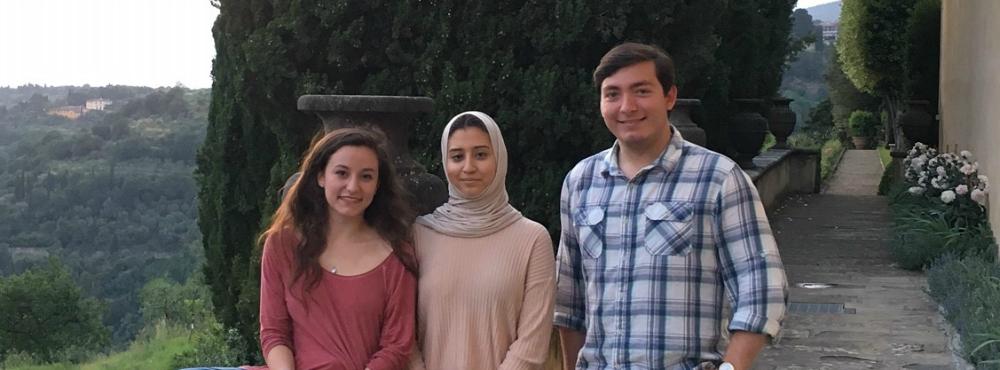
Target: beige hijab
(485, 214)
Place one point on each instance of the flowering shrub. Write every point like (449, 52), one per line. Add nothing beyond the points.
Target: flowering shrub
(953, 179)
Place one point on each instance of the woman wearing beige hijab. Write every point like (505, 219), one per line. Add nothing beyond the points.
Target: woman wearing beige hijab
(487, 282)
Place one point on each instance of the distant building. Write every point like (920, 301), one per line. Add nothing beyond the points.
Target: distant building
(70, 111)
(97, 104)
(830, 31)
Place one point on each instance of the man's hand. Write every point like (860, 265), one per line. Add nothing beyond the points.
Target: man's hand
(570, 341)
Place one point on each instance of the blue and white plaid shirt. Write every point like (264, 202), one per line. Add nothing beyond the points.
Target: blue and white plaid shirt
(643, 264)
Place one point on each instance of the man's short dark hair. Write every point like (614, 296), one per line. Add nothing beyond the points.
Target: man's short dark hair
(631, 53)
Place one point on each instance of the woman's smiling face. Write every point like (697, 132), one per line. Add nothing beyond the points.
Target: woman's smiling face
(471, 165)
(350, 180)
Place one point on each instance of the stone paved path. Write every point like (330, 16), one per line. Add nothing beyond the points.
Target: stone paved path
(874, 316)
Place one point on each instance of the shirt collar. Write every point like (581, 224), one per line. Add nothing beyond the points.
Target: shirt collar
(667, 160)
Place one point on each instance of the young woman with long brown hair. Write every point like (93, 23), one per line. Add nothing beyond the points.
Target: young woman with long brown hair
(337, 270)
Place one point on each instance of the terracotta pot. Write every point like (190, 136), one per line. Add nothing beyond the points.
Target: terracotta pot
(781, 121)
(860, 142)
(682, 118)
(747, 130)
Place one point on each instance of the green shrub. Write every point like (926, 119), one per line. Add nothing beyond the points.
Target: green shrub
(924, 230)
(214, 345)
(829, 156)
(805, 141)
(888, 178)
(769, 141)
(46, 315)
(863, 123)
(921, 238)
(969, 291)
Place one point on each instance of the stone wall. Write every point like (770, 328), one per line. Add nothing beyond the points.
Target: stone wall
(970, 87)
(780, 172)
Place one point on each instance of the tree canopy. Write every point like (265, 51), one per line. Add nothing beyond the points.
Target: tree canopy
(112, 195)
(45, 314)
(871, 43)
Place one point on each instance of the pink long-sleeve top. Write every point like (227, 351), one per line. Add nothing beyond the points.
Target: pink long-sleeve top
(346, 322)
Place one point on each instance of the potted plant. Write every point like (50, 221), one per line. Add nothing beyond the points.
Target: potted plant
(862, 126)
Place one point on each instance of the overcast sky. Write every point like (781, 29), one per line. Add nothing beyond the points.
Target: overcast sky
(804, 3)
(100, 42)
(123, 42)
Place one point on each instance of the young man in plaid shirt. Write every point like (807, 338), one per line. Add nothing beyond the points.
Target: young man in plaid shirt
(656, 233)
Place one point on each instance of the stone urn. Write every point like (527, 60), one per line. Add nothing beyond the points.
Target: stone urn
(747, 130)
(916, 123)
(683, 118)
(394, 116)
(781, 121)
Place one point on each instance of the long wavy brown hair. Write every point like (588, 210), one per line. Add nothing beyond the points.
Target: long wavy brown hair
(304, 208)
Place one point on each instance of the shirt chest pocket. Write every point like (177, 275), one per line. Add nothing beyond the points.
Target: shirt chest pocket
(668, 230)
(591, 227)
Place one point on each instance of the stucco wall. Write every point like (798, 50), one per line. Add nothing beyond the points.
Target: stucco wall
(970, 87)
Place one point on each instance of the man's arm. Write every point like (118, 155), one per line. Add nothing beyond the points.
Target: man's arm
(751, 270)
(743, 349)
(570, 293)
(570, 342)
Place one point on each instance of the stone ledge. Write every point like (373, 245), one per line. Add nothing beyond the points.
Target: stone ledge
(783, 171)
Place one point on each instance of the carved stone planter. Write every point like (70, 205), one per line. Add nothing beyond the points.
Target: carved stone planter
(393, 115)
(781, 121)
(916, 123)
(747, 130)
(682, 117)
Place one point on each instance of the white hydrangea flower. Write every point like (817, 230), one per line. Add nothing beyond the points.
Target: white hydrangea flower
(967, 155)
(916, 190)
(962, 189)
(947, 196)
(940, 171)
(939, 183)
(969, 168)
(978, 196)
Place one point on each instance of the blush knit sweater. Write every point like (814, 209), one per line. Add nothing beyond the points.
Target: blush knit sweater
(485, 303)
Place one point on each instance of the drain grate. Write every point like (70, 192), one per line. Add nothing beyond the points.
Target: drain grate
(834, 308)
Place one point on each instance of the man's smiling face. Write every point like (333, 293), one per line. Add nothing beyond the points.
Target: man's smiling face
(634, 105)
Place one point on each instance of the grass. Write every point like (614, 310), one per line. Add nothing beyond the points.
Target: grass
(154, 353)
(883, 155)
(830, 154)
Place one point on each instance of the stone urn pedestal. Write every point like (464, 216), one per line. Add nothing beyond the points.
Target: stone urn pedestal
(394, 116)
(684, 118)
(747, 130)
(781, 121)
(917, 123)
